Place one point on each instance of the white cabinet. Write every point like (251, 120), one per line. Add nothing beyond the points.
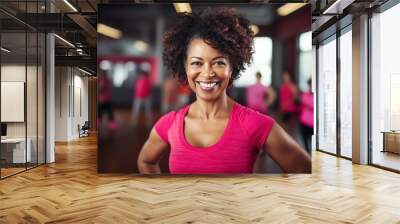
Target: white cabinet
(19, 155)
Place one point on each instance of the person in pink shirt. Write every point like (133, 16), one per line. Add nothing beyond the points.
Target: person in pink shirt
(307, 116)
(287, 98)
(142, 98)
(170, 94)
(184, 95)
(214, 134)
(258, 96)
(105, 102)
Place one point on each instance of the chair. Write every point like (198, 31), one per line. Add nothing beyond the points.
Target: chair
(84, 130)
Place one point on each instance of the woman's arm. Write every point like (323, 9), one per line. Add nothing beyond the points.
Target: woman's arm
(151, 153)
(286, 152)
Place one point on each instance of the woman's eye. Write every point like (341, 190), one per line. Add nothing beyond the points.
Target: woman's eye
(195, 63)
(220, 63)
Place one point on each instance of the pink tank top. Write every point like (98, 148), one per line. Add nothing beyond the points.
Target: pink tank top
(307, 109)
(255, 97)
(235, 152)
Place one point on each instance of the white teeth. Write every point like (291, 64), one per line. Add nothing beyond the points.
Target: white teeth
(207, 85)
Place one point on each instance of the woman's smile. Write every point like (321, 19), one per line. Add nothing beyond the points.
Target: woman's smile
(208, 86)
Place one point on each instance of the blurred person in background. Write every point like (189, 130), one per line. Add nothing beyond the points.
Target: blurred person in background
(142, 98)
(259, 97)
(184, 95)
(215, 134)
(288, 99)
(170, 94)
(105, 104)
(307, 116)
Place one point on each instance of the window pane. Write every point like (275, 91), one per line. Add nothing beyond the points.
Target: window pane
(346, 94)
(305, 57)
(327, 97)
(261, 63)
(13, 84)
(31, 99)
(305, 41)
(385, 85)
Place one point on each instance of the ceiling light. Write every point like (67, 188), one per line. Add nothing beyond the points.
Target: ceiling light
(141, 45)
(5, 50)
(109, 31)
(70, 5)
(65, 41)
(288, 8)
(84, 71)
(182, 7)
(255, 29)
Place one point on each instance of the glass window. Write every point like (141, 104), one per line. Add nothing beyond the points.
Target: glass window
(14, 150)
(305, 57)
(22, 92)
(261, 63)
(31, 100)
(385, 84)
(327, 96)
(346, 94)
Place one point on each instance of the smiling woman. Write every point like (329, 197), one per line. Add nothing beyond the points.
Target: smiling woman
(208, 71)
(215, 134)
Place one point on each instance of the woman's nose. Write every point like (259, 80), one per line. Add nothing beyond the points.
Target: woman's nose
(208, 71)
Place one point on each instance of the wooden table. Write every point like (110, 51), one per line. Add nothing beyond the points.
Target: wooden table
(391, 141)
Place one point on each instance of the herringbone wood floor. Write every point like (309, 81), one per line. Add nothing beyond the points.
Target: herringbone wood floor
(71, 191)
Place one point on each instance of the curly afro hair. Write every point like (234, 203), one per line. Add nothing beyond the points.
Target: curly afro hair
(223, 29)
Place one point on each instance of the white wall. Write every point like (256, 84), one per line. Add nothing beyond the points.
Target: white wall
(80, 112)
(33, 126)
(12, 73)
(61, 103)
(71, 93)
